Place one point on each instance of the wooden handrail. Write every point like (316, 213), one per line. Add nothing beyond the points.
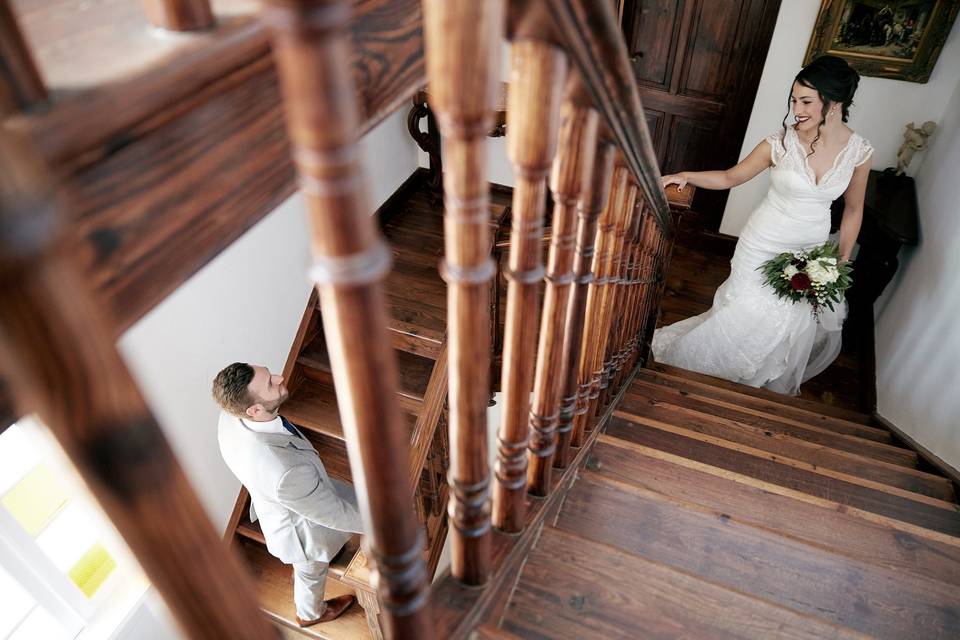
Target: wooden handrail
(59, 356)
(20, 83)
(595, 43)
(311, 46)
(179, 15)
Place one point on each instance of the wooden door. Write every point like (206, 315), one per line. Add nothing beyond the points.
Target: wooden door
(698, 64)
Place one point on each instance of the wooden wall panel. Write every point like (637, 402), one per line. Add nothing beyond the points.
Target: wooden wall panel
(655, 122)
(652, 37)
(709, 48)
(683, 136)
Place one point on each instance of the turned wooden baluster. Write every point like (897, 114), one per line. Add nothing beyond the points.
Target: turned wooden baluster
(179, 15)
(591, 327)
(621, 307)
(658, 261)
(537, 72)
(621, 318)
(610, 279)
(311, 48)
(592, 202)
(647, 230)
(20, 83)
(58, 355)
(571, 170)
(462, 45)
(633, 303)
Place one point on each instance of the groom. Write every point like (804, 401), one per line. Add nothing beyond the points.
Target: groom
(306, 517)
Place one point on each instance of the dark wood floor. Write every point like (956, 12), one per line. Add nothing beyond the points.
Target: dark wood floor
(699, 267)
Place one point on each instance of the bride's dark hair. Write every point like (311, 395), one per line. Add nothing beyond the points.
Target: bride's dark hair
(833, 80)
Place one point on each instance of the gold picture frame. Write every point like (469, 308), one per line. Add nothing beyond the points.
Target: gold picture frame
(899, 39)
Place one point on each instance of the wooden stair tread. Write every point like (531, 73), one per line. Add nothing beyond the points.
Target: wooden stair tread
(274, 585)
(414, 370)
(719, 548)
(640, 394)
(924, 515)
(788, 446)
(819, 522)
(338, 566)
(770, 406)
(571, 587)
(801, 403)
(313, 407)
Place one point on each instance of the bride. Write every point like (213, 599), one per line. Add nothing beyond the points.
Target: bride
(750, 335)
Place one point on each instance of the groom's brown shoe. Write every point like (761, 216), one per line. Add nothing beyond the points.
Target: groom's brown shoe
(335, 609)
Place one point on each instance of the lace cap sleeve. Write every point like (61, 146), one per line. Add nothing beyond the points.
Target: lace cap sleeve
(775, 140)
(862, 152)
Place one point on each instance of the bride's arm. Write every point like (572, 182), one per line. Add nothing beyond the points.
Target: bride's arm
(757, 161)
(853, 209)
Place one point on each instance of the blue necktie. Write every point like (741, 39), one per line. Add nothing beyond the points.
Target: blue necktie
(289, 427)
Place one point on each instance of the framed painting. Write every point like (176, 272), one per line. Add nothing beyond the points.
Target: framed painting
(898, 39)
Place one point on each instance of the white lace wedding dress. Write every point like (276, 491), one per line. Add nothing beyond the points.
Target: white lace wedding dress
(750, 335)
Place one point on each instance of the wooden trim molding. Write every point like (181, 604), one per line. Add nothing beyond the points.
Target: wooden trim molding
(928, 456)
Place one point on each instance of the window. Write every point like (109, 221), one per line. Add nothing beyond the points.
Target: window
(62, 565)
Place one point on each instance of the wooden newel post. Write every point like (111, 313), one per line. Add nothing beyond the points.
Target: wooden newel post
(179, 15)
(58, 355)
(571, 171)
(462, 49)
(537, 72)
(311, 48)
(20, 83)
(592, 203)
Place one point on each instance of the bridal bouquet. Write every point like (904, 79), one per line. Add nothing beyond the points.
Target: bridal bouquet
(815, 275)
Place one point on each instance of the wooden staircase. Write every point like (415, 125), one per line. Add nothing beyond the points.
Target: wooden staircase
(709, 509)
(412, 223)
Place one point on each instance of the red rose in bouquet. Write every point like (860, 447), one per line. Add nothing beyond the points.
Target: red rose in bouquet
(800, 282)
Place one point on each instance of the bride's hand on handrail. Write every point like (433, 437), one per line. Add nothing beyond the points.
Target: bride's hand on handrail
(679, 179)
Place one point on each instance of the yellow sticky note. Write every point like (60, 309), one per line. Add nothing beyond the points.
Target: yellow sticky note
(92, 569)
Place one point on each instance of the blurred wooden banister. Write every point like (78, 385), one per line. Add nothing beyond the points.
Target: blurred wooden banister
(59, 357)
(311, 45)
(179, 15)
(20, 83)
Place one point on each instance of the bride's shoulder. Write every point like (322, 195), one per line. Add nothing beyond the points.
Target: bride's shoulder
(860, 147)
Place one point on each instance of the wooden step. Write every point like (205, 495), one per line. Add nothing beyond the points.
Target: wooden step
(824, 523)
(786, 446)
(338, 566)
(766, 405)
(721, 549)
(274, 585)
(572, 587)
(640, 395)
(414, 371)
(312, 406)
(794, 401)
(939, 517)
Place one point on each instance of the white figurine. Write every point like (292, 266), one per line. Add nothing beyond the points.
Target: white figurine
(914, 140)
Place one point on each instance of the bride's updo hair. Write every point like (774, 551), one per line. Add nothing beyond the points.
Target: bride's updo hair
(834, 80)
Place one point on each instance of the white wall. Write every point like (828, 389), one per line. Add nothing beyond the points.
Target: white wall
(245, 305)
(918, 345)
(880, 110)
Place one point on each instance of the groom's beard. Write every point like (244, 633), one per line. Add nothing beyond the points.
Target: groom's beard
(274, 407)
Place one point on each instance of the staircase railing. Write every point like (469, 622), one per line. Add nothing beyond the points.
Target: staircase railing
(574, 113)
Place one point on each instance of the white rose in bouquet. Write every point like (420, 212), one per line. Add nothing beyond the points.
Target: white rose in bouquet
(821, 273)
(790, 271)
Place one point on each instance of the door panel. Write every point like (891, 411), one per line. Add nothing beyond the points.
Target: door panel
(698, 64)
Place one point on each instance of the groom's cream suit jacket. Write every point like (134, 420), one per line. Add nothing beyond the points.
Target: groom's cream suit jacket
(305, 515)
